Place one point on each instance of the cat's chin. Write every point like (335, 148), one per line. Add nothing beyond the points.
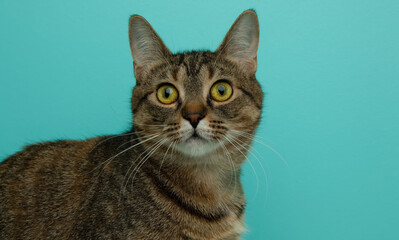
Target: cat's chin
(197, 147)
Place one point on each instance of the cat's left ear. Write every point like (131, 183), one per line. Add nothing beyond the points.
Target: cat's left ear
(240, 44)
(146, 46)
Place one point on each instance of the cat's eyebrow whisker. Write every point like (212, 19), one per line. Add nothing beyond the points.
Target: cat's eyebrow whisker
(249, 161)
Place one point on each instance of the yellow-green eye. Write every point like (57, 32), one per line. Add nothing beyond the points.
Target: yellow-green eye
(221, 91)
(167, 94)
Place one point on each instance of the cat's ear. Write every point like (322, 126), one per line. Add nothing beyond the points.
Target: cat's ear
(146, 46)
(241, 42)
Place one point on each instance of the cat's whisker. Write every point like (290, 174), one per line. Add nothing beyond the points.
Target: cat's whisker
(106, 162)
(115, 136)
(232, 164)
(163, 159)
(256, 139)
(133, 162)
(249, 161)
(173, 149)
(140, 164)
(245, 146)
(109, 160)
(146, 158)
(138, 138)
(281, 158)
(150, 125)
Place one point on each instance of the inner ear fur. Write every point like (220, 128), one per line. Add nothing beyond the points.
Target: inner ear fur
(146, 46)
(241, 42)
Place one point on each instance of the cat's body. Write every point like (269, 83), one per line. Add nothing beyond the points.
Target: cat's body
(66, 199)
(175, 175)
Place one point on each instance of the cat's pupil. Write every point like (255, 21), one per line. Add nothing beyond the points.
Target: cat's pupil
(168, 91)
(221, 89)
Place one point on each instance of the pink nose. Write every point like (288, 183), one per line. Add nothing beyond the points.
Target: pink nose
(193, 118)
(194, 112)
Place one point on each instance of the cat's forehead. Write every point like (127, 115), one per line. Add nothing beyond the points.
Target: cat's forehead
(191, 71)
(194, 61)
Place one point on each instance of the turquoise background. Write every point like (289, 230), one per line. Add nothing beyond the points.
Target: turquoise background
(330, 70)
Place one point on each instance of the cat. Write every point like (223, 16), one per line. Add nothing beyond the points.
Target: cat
(174, 175)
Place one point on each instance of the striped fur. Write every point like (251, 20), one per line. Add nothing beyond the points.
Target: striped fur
(156, 181)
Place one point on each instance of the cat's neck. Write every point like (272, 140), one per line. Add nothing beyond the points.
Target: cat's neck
(200, 180)
(201, 192)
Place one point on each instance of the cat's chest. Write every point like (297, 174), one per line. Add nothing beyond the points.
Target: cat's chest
(229, 224)
(172, 211)
(191, 227)
(190, 224)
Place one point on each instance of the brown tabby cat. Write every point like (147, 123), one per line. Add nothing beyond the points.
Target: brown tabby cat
(175, 175)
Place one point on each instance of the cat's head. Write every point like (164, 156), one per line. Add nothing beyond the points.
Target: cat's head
(197, 102)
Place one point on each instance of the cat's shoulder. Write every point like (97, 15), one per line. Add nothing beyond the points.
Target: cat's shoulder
(48, 151)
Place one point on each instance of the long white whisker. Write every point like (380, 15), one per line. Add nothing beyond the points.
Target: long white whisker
(141, 163)
(163, 159)
(244, 134)
(127, 172)
(132, 140)
(232, 164)
(106, 162)
(249, 161)
(150, 125)
(120, 135)
(281, 158)
(237, 140)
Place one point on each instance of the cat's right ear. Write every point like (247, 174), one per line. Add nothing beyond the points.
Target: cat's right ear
(240, 45)
(146, 46)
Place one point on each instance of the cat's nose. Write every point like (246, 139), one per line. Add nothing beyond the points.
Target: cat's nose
(193, 118)
(194, 112)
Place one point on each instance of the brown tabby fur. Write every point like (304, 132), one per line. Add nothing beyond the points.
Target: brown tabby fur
(147, 183)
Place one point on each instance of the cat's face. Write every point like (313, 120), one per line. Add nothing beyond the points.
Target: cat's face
(196, 102)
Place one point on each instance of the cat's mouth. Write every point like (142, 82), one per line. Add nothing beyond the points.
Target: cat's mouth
(196, 144)
(195, 137)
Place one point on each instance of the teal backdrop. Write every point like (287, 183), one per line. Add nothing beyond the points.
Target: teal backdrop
(329, 136)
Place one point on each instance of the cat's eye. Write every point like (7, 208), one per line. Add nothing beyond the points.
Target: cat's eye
(221, 91)
(167, 94)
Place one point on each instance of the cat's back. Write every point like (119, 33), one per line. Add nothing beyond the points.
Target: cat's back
(45, 156)
(37, 181)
